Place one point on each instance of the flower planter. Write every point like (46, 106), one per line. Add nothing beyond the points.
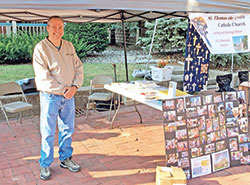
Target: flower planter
(162, 74)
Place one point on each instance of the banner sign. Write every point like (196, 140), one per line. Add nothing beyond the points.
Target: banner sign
(223, 33)
(196, 62)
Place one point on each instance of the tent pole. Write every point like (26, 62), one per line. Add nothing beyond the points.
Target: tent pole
(232, 64)
(125, 48)
(150, 49)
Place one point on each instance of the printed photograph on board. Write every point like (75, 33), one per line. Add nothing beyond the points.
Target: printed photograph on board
(243, 147)
(243, 138)
(236, 155)
(241, 97)
(180, 122)
(192, 122)
(181, 134)
(233, 144)
(170, 127)
(184, 154)
(194, 143)
(240, 43)
(231, 122)
(182, 146)
(230, 96)
(231, 132)
(221, 118)
(171, 144)
(236, 112)
(191, 112)
(195, 152)
(180, 118)
(211, 110)
(201, 166)
(220, 160)
(202, 122)
(220, 145)
(203, 137)
(170, 115)
(193, 101)
(243, 123)
(218, 98)
(223, 133)
(172, 158)
(245, 159)
(209, 148)
(209, 125)
(169, 104)
(242, 110)
(183, 162)
(216, 125)
(208, 99)
(229, 108)
(193, 132)
(180, 105)
(220, 107)
(202, 110)
(213, 136)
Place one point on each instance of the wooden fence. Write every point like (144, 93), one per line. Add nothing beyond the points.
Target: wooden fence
(13, 27)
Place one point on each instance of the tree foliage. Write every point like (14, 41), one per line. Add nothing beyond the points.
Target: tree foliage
(170, 35)
(130, 27)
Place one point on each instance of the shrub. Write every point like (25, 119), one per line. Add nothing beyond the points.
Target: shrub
(18, 48)
(225, 60)
(87, 37)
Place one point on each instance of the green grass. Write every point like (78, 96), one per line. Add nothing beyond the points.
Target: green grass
(10, 73)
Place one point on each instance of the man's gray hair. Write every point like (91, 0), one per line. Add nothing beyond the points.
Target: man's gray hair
(54, 17)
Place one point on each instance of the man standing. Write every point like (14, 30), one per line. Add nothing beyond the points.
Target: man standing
(58, 75)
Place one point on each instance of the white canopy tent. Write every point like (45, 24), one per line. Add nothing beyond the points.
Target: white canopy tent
(114, 10)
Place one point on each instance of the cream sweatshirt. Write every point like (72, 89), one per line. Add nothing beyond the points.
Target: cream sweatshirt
(55, 69)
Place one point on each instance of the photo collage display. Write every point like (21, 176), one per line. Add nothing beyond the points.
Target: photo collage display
(214, 125)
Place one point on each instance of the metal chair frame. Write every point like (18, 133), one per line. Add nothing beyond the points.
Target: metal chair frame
(14, 106)
(97, 84)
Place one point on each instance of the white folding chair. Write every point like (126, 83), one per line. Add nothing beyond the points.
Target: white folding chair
(97, 85)
(15, 106)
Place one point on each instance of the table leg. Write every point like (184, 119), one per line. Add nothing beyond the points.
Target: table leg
(116, 112)
(138, 112)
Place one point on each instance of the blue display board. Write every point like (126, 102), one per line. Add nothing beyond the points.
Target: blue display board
(196, 62)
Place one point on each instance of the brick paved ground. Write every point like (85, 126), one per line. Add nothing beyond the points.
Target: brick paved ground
(125, 155)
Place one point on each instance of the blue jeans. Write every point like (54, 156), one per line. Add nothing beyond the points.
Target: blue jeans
(56, 108)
